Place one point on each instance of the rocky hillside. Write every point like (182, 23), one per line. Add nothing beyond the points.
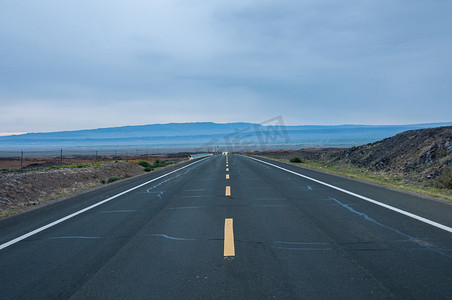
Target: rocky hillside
(421, 156)
(426, 152)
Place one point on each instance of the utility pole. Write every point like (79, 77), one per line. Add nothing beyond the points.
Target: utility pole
(61, 155)
(22, 159)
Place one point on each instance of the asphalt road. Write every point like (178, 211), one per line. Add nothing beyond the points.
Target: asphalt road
(262, 233)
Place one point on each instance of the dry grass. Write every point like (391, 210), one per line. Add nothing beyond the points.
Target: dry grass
(403, 182)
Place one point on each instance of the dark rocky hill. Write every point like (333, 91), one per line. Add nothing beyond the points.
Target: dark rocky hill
(426, 152)
(419, 157)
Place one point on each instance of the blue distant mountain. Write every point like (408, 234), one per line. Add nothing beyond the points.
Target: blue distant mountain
(209, 136)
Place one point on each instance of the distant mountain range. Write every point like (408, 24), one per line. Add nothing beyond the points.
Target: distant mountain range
(175, 137)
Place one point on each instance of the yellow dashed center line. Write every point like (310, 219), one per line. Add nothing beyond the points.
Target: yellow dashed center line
(229, 249)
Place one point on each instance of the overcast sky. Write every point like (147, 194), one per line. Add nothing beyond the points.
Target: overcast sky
(67, 65)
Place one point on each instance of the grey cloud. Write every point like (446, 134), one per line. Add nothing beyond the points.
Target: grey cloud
(311, 61)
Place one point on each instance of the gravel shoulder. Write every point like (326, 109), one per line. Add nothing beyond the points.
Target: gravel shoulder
(28, 189)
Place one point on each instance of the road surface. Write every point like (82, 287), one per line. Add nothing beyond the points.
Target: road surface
(231, 227)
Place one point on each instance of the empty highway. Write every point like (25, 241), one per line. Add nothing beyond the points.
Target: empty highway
(231, 227)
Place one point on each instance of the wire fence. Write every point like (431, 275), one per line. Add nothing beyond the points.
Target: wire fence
(24, 158)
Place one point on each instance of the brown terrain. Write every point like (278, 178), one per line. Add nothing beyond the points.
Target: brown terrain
(43, 180)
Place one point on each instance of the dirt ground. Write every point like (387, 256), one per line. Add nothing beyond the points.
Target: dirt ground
(16, 163)
(44, 180)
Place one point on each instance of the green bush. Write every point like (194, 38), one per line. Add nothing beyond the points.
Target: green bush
(144, 164)
(296, 159)
(112, 179)
(148, 169)
(159, 163)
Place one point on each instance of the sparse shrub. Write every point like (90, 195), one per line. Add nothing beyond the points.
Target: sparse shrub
(445, 179)
(144, 164)
(159, 163)
(296, 159)
(112, 179)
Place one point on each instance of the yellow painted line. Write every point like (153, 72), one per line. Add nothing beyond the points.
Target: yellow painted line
(227, 176)
(229, 249)
(227, 169)
(228, 191)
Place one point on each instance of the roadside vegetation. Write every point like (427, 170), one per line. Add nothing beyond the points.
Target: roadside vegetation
(441, 187)
(296, 159)
(156, 164)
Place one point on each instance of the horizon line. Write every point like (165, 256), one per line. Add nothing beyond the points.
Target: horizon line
(4, 134)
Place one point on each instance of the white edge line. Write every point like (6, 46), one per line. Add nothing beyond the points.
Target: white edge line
(22, 237)
(398, 210)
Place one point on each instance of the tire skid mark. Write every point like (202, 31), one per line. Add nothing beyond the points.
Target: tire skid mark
(408, 237)
(172, 238)
(160, 193)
